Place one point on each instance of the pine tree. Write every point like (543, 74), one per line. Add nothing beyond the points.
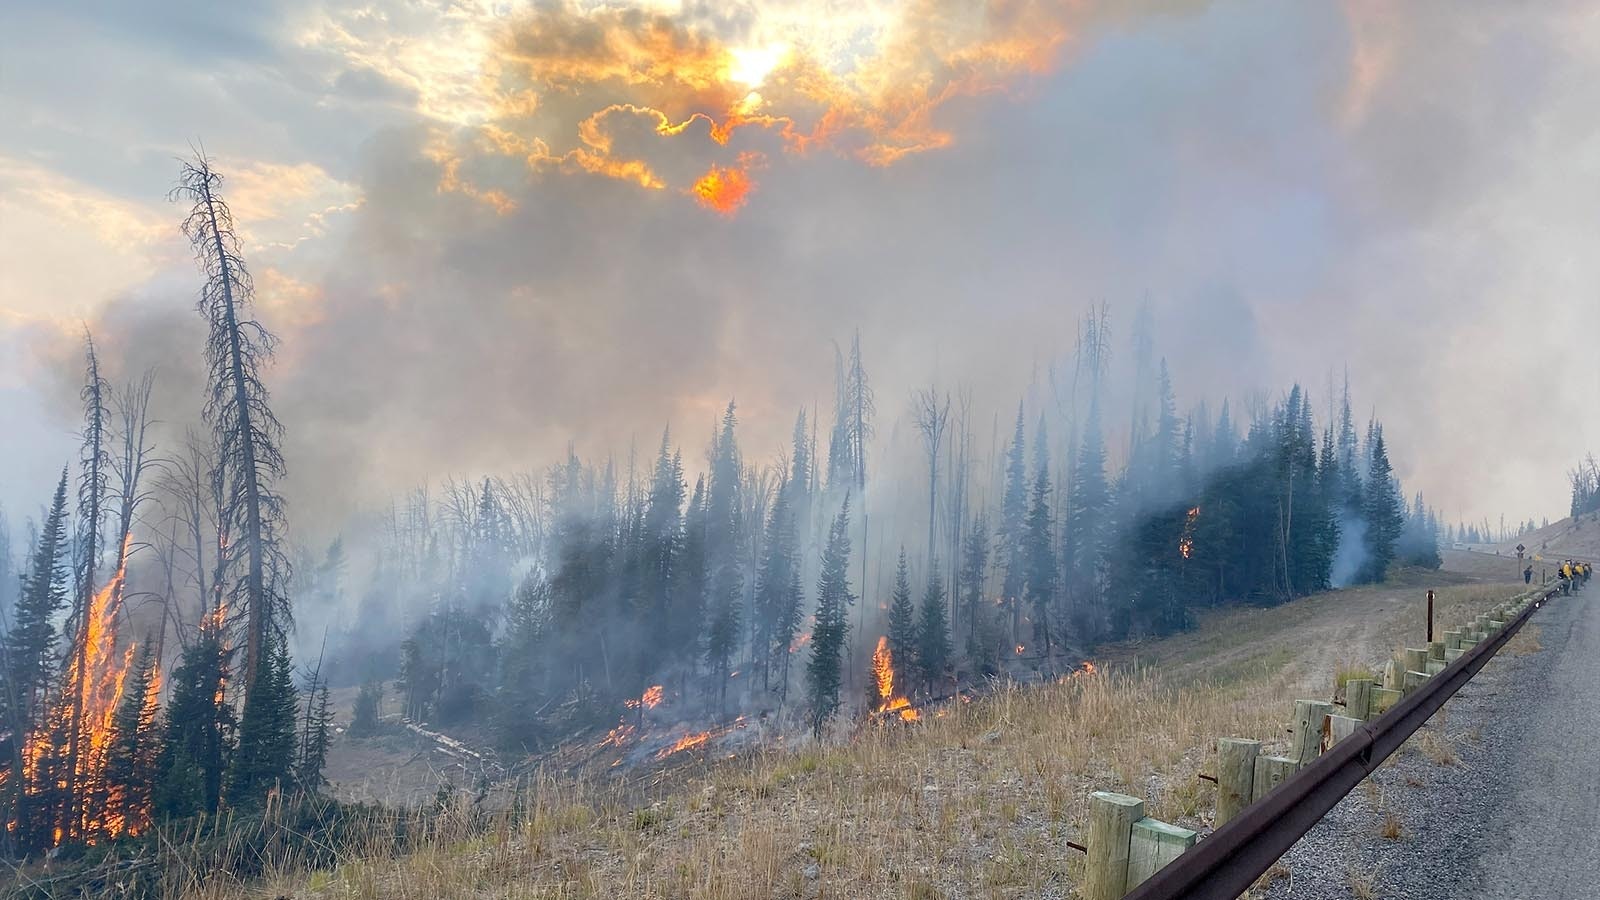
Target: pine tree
(724, 558)
(31, 644)
(772, 587)
(824, 674)
(1039, 545)
(265, 763)
(903, 642)
(1382, 509)
(131, 757)
(974, 566)
(933, 633)
(369, 705)
(1013, 527)
(522, 672)
(1087, 529)
(197, 740)
(245, 433)
(316, 733)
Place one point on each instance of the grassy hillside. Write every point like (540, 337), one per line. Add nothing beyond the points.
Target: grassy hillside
(1578, 538)
(977, 800)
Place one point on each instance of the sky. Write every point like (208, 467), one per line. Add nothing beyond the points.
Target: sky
(486, 230)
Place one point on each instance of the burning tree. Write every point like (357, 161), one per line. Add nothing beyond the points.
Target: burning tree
(253, 565)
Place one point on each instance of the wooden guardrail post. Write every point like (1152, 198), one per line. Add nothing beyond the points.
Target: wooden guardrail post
(1358, 697)
(1307, 743)
(1341, 727)
(1111, 818)
(1414, 680)
(1452, 640)
(1270, 772)
(1382, 699)
(1236, 776)
(1154, 844)
(1436, 649)
(1415, 658)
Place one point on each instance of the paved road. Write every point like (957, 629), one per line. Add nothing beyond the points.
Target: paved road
(1515, 816)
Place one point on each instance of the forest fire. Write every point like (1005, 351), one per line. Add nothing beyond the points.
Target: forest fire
(687, 742)
(68, 753)
(1186, 542)
(616, 737)
(650, 699)
(883, 676)
(1087, 671)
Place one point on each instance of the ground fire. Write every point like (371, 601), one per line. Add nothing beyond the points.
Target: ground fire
(883, 676)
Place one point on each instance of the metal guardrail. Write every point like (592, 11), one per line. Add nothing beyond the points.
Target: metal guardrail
(1230, 859)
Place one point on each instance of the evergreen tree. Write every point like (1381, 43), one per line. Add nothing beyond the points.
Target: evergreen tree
(131, 755)
(903, 634)
(1087, 530)
(31, 643)
(772, 587)
(933, 633)
(1382, 510)
(722, 547)
(316, 733)
(663, 533)
(1039, 546)
(521, 678)
(823, 672)
(265, 757)
(974, 565)
(198, 735)
(1013, 528)
(369, 705)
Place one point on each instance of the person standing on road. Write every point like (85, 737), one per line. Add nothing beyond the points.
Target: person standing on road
(1527, 574)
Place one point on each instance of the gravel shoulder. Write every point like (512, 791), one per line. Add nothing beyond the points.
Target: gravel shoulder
(1495, 798)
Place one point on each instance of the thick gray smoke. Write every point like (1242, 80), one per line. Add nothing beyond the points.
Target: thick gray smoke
(1345, 209)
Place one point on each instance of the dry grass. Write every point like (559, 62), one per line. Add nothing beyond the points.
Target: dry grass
(1363, 883)
(1391, 828)
(1524, 642)
(1435, 745)
(975, 801)
(978, 801)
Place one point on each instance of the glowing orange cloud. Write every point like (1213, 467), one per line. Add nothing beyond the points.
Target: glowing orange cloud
(562, 79)
(723, 188)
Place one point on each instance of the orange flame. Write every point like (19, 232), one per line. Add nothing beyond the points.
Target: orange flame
(883, 669)
(687, 742)
(1186, 542)
(93, 687)
(650, 699)
(883, 675)
(616, 737)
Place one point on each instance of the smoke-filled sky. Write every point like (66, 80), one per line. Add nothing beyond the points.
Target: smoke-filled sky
(483, 230)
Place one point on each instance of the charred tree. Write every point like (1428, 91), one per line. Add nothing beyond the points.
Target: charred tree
(245, 432)
(95, 463)
(931, 414)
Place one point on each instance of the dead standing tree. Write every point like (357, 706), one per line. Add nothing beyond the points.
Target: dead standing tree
(91, 515)
(245, 432)
(931, 414)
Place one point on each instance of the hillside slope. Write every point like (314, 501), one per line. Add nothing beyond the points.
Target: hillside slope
(977, 800)
(1578, 538)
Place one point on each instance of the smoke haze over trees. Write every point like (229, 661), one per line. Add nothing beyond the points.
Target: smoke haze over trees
(752, 364)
